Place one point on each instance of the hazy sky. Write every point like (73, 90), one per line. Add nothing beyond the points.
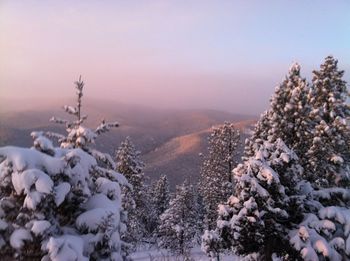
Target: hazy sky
(226, 55)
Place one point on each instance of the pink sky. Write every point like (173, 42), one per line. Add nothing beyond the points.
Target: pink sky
(225, 55)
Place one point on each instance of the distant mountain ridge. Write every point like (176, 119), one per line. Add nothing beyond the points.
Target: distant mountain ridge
(169, 140)
(183, 155)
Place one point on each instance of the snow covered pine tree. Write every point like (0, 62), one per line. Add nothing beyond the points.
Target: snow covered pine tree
(215, 183)
(179, 223)
(329, 154)
(136, 203)
(159, 201)
(288, 116)
(265, 201)
(255, 219)
(324, 233)
(60, 204)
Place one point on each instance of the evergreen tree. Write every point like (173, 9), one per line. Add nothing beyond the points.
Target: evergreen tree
(315, 124)
(328, 158)
(79, 136)
(264, 204)
(323, 144)
(216, 173)
(179, 224)
(130, 165)
(288, 116)
(159, 201)
(60, 203)
(259, 135)
(290, 111)
(324, 232)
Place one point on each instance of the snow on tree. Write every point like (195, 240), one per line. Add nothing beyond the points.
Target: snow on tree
(179, 223)
(136, 203)
(321, 138)
(61, 203)
(324, 233)
(216, 173)
(265, 202)
(288, 116)
(59, 206)
(79, 136)
(259, 135)
(161, 195)
(328, 158)
(290, 111)
(159, 201)
(313, 121)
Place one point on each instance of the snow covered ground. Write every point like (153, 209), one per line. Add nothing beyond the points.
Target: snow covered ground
(153, 254)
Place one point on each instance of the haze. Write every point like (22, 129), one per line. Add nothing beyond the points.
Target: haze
(226, 55)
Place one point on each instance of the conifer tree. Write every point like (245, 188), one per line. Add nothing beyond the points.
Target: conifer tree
(323, 144)
(130, 165)
(159, 201)
(290, 111)
(60, 203)
(179, 224)
(287, 117)
(265, 202)
(259, 135)
(324, 232)
(79, 136)
(216, 174)
(328, 157)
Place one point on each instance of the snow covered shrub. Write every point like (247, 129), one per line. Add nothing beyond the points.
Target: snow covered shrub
(61, 203)
(61, 206)
(265, 203)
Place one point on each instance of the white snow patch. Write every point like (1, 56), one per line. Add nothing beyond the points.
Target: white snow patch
(3, 225)
(66, 248)
(40, 226)
(18, 237)
(60, 192)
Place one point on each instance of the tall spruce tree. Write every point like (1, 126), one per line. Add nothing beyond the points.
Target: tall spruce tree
(179, 224)
(259, 135)
(130, 165)
(324, 148)
(328, 157)
(324, 232)
(159, 202)
(287, 117)
(216, 173)
(290, 111)
(320, 203)
(265, 202)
